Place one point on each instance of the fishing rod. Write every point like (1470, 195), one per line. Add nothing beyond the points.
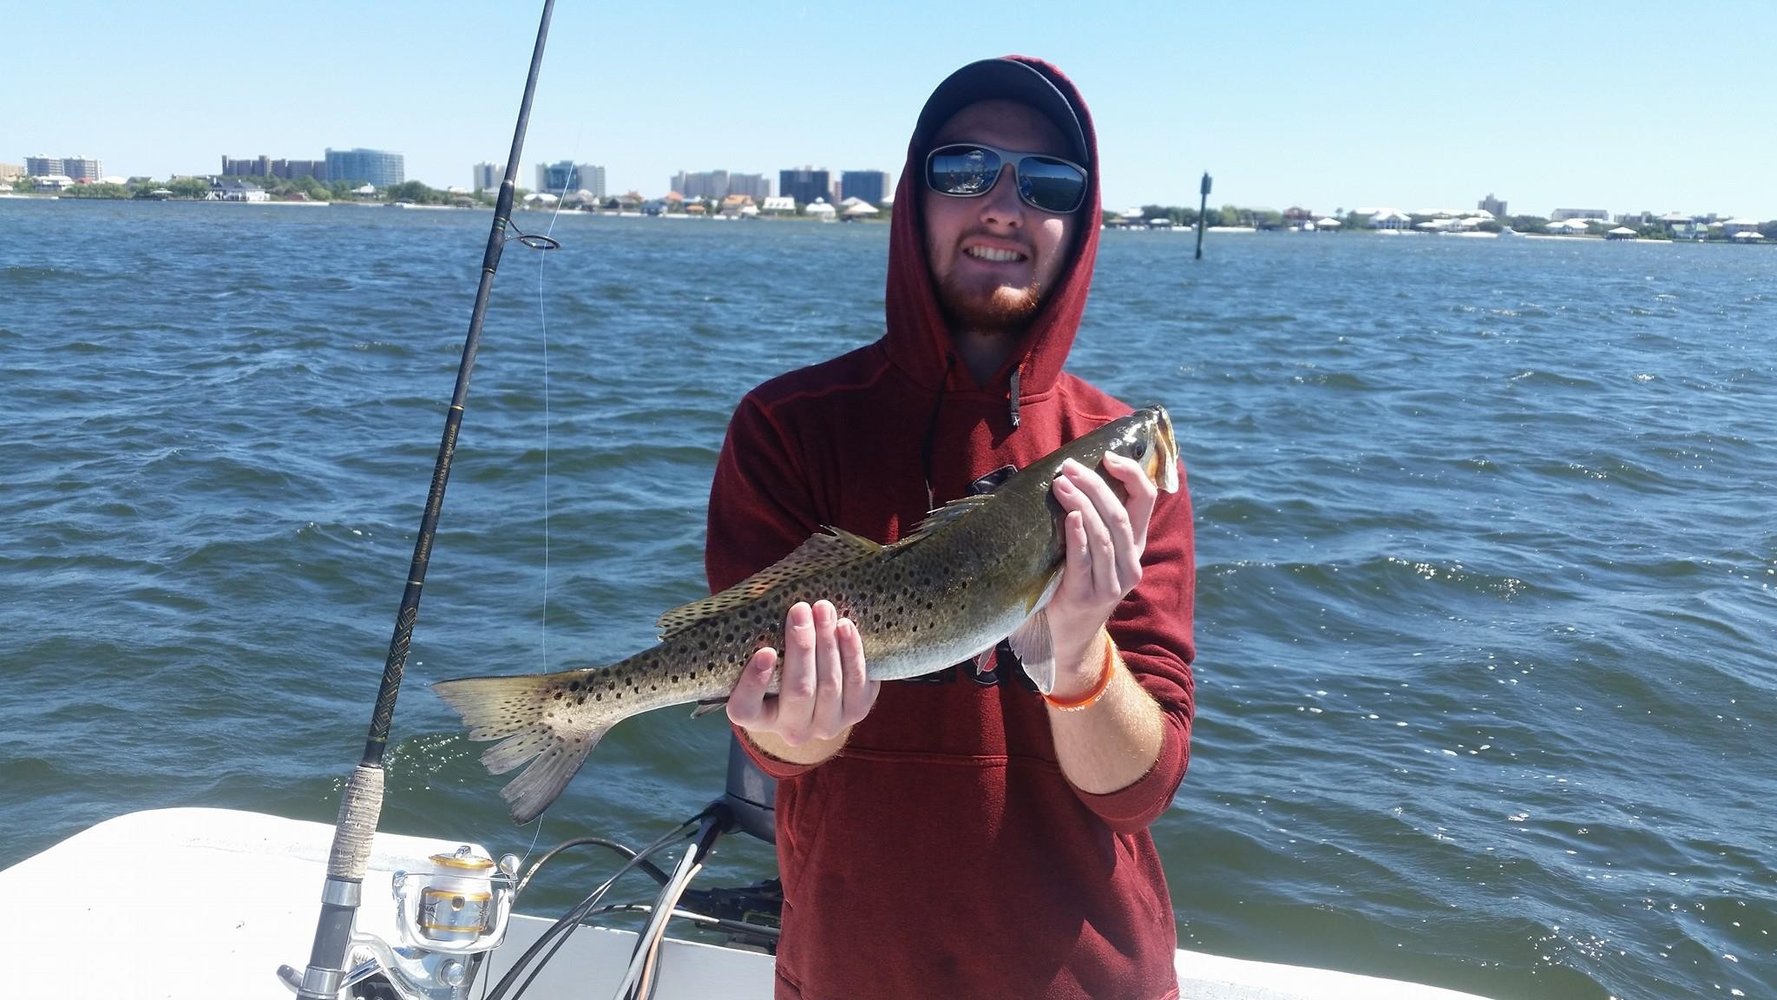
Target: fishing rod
(361, 802)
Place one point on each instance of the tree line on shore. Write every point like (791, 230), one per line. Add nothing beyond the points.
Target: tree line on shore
(286, 189)
(419, 193)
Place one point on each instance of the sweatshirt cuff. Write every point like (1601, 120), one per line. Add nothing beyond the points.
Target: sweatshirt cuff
(1136, 806)
(774, 767)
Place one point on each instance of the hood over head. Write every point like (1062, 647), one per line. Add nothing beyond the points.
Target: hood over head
(918, 338)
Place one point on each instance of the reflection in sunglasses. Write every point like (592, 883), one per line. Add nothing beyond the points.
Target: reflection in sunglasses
(969, 170)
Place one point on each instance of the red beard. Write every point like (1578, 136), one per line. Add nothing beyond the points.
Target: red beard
(1002, 309)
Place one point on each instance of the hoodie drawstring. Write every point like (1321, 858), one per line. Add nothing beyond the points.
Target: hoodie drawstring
(1016, 373)
(925, 451)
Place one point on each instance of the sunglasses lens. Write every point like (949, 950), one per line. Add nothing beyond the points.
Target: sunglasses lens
(1051, 185)
(962, 171)
(966, 170)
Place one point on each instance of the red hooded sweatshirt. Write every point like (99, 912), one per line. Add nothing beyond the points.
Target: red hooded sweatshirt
(942, 853)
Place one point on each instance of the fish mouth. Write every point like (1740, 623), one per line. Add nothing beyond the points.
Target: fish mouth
(1164, 454)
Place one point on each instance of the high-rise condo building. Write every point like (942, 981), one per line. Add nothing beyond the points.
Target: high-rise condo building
(716, 185)
(566, 177)
(76, 168)
(804, 184)
(754, 186)
(265, 166)
(710, 184)
(366, 166)
(592, 178)
(869, 185)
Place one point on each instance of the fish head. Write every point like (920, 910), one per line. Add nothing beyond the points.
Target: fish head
(1146, 438)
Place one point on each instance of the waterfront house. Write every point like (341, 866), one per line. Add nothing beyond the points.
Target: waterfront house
(1684, 227)
(235, 189)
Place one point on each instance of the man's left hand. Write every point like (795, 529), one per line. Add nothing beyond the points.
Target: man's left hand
(1105, 538)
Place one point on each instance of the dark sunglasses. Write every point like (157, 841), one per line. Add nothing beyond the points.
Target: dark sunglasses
(971, 169)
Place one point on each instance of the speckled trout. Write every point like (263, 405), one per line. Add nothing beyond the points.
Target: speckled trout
(976, 571)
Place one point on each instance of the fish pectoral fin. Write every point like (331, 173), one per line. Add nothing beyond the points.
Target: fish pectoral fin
(706, 707)
(833, 547)
(1036, 650)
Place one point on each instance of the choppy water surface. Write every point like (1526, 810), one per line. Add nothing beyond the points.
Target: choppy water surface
(1486, 547)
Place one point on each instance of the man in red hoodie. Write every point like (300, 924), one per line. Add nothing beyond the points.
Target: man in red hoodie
(964, 835)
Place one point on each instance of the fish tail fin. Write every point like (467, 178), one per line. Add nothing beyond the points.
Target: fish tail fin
(534, 729)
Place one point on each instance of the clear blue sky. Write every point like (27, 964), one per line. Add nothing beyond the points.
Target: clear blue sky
(1621, 106)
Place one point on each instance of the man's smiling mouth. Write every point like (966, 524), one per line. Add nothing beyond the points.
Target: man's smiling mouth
(993, 254)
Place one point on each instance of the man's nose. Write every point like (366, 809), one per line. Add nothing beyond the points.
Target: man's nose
(1001, 202)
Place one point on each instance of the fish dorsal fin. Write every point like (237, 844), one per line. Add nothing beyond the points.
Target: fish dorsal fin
(834, 547)
(946, 515)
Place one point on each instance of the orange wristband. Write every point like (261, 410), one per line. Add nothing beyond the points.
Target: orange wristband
(1098, 689)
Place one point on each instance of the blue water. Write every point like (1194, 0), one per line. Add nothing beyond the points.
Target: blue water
(1487, 553)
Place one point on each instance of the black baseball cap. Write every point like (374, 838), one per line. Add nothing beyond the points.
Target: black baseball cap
(1007, 79)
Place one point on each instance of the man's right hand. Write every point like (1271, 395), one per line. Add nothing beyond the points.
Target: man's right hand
(823, 692)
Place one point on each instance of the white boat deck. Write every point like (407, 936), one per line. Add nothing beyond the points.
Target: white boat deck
(172, 904)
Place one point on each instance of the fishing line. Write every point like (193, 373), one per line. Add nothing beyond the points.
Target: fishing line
(542, 331)
(623, 850)
(548, 419)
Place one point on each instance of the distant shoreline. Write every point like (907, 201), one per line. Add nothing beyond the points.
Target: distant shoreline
(413, 206)
(1187, 230)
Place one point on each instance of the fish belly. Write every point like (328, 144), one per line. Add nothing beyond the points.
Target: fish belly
(902, 656)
